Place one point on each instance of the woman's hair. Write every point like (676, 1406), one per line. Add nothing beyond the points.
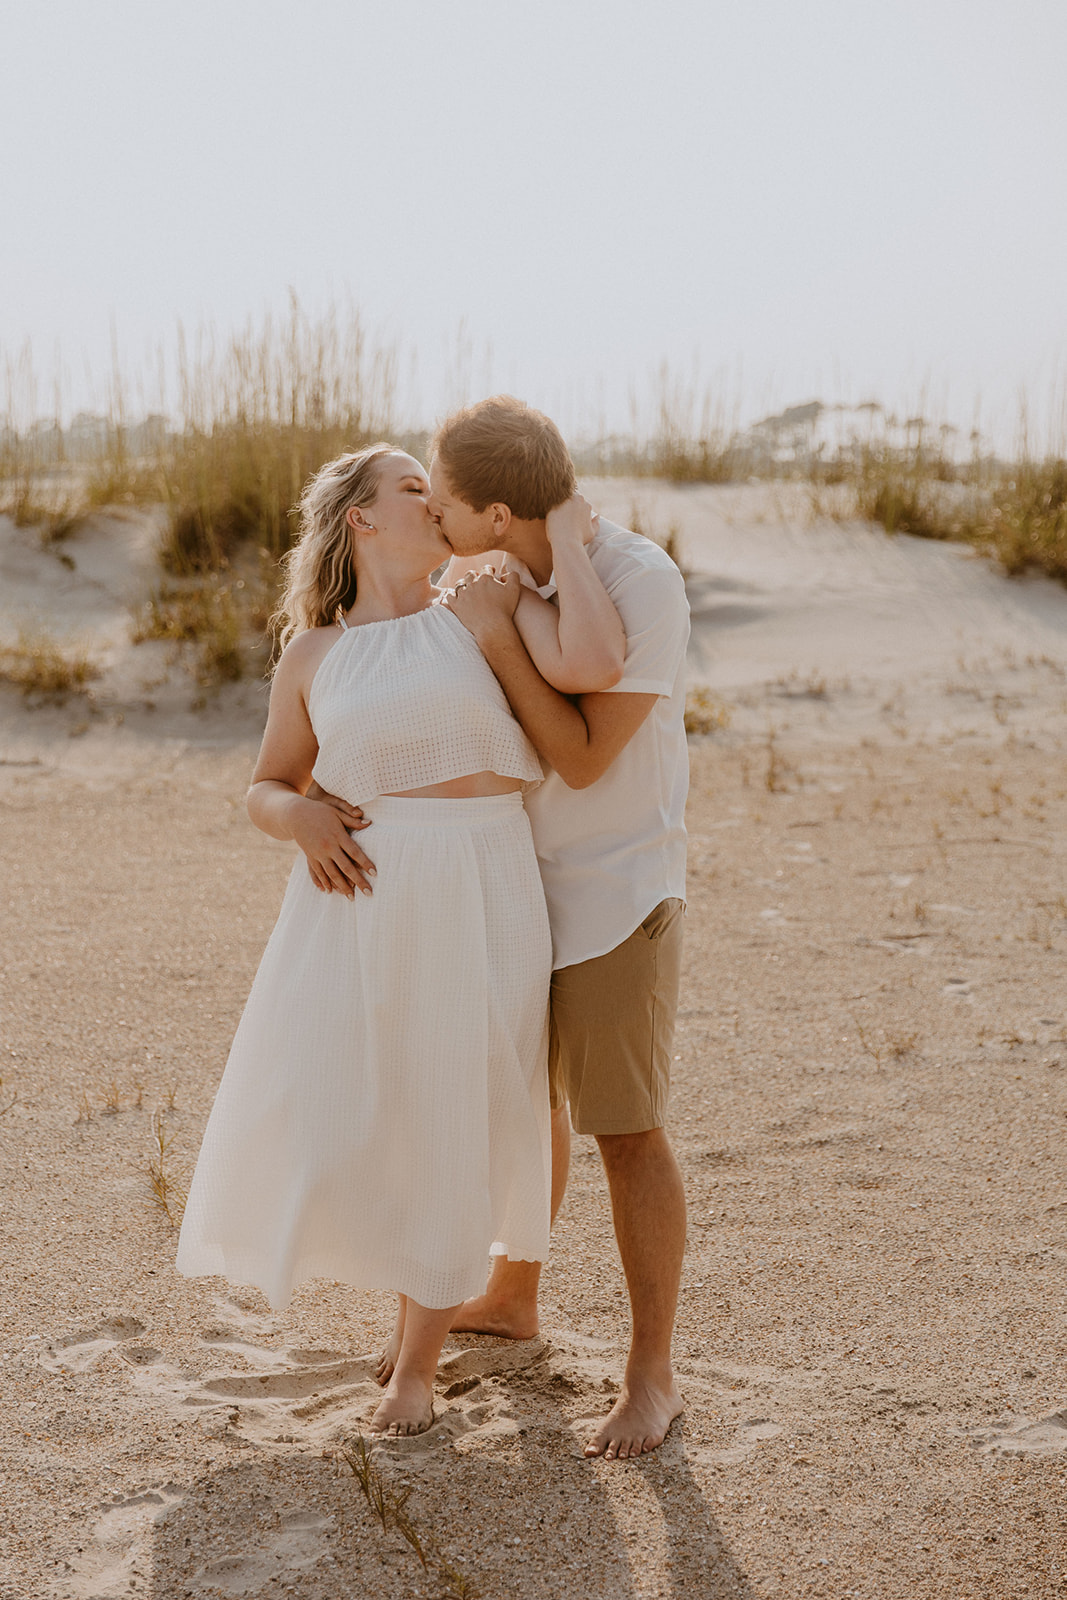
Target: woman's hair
(503, 450)
(320, 569)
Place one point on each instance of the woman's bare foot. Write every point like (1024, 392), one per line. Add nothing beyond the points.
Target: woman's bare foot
(389, 1356)
(639, 1421)
(406, 1409)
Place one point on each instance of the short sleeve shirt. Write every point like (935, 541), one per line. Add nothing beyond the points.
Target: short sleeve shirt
(610, 853)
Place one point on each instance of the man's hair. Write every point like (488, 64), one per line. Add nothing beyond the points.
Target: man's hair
(502, 451)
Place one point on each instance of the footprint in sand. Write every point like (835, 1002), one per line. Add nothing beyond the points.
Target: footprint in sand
(258, 1396)
(79, 1351)
(119, 1556)
(1014, 1436)
(299, 1544)
(958, 989)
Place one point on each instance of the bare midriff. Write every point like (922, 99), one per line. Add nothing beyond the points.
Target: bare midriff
(474, 786)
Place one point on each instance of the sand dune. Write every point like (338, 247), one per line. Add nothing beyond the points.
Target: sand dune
(871, 1088)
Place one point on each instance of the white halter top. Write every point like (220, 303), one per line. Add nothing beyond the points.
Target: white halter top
(408, 702)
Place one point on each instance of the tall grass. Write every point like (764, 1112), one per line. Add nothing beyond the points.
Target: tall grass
(256, 412)
(260, 412)
(1015, 512)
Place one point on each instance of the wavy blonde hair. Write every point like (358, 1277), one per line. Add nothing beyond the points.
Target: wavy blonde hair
(320, 569)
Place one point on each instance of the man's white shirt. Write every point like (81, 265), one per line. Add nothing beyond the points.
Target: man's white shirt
(610, 853)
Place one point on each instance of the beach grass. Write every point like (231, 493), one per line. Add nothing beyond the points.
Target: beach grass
(167, 1194)
(221, 617)
(256, 412)
(1015, 512)
(39, 665)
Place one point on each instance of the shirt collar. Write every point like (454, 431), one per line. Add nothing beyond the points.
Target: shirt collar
(526, 578)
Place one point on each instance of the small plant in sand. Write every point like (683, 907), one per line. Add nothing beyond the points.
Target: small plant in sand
(389, 1507)
(704, 713)
(886, 1044)
(778, 772)
(38, 664)
(166, 1192)
(112, 1102)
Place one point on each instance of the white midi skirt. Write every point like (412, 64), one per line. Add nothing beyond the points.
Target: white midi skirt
(383, 1118)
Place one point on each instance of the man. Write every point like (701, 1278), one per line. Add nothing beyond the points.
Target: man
(608, 825)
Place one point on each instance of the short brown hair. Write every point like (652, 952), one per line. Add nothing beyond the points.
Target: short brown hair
(503, 451)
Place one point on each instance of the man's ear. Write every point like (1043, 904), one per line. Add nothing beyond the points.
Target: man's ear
(501, 515)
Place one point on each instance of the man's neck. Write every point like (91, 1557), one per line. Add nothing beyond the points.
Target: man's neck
(528, 542)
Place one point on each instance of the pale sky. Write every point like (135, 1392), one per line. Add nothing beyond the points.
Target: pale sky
(847, 199)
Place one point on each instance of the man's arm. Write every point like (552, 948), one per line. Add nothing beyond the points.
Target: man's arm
(579, 738)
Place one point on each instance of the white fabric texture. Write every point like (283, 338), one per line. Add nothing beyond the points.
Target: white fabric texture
(408, 702)
(383, 1117)
(610, 853)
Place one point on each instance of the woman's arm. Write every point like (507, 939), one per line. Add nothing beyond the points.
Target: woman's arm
(277, 800)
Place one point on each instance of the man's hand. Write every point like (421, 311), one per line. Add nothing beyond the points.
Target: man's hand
(482, 601)
(575, 520)
(322, 825)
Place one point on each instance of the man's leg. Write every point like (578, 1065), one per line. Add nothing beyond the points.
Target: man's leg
(648, 1210)
(508, 1307)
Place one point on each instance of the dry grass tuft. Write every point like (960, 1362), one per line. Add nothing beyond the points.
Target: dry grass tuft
(1016, 514)
(215, 615)
(12, 1100)
(704, 713)
(389, 1507)
(886, 1044)
(37, 664)
(778, 772)
(1027, 525)
(166, 1192)
(261, 414)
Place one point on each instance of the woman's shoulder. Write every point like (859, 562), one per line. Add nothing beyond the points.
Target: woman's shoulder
(305, 652)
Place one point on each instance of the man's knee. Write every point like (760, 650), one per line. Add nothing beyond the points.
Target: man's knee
(626, 1149)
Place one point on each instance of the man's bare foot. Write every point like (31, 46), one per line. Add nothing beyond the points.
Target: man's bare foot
(406, 1409)
(638, 1421)
(389, 1356)
(488, 1315)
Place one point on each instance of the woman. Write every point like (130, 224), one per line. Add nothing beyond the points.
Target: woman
(383, 1117)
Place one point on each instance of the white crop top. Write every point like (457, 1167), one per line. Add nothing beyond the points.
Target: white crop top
(408, 702)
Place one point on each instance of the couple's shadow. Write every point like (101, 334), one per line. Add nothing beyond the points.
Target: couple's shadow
(500, 1488)
(602, 1519)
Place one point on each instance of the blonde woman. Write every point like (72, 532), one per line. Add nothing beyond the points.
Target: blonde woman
(383, 1117)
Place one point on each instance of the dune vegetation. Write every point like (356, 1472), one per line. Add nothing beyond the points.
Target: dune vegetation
(258, 411)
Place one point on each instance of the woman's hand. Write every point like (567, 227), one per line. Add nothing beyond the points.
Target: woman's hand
(322, 830)
(575, 520)
(482, 601)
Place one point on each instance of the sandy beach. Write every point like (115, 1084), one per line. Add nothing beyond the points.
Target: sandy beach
(869, 1109)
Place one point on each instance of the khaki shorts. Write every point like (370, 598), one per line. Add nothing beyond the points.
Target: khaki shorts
(612, 1029)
